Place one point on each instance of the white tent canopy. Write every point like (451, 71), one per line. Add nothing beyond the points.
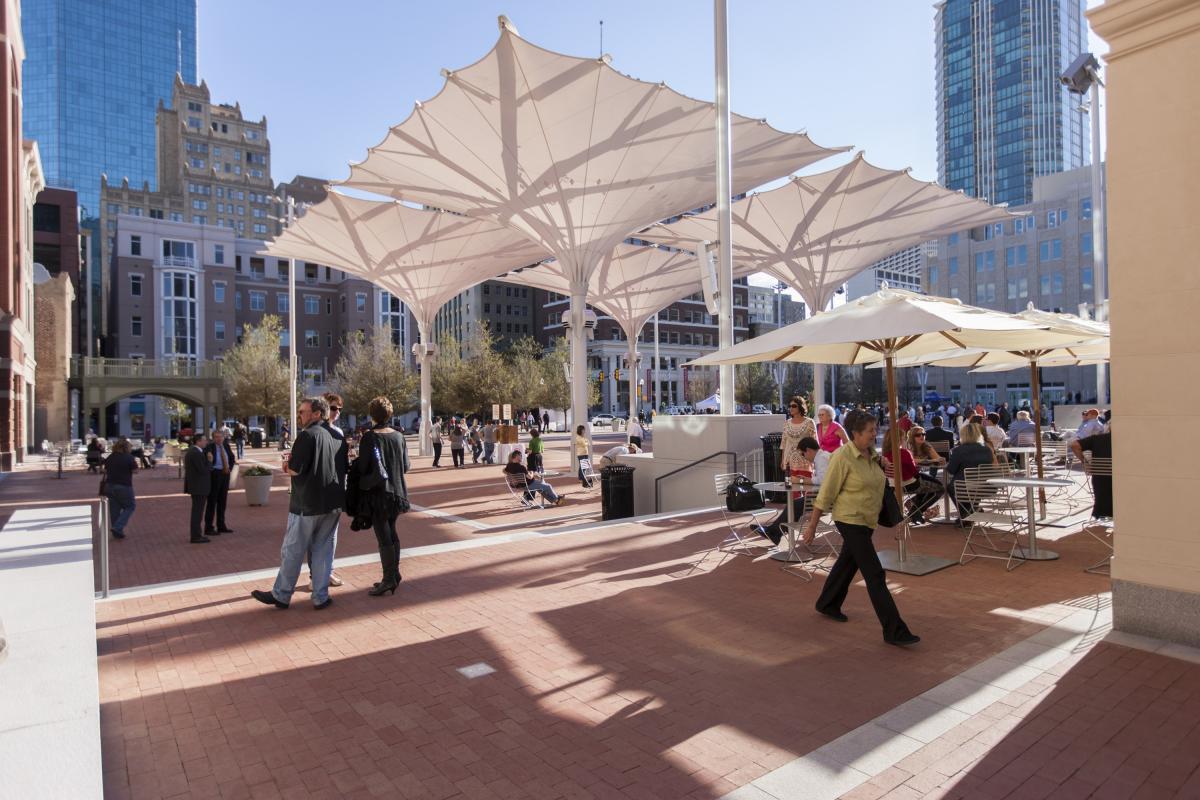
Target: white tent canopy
(710, 403)
(572, 153)
(818, 231)
(422, 257)
(631, 284)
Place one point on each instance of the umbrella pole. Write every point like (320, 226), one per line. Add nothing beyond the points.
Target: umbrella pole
(902, 561)
(897, 474)
(1037, 428)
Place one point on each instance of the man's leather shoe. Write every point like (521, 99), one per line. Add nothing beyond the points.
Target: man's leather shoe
(267, 598)
(321, 606)
(224, 530)
(199, 540)
(905, 640)
(212, 533)
(837, 615)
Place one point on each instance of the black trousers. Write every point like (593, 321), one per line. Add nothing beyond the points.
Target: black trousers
(217, 496)
(437, 453)
(383, 520)
(198, 503)
(458, 456)
(858, 555)
(534, 461)
(1102, 487)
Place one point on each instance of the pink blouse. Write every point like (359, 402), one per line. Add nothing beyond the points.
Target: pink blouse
(828, 438)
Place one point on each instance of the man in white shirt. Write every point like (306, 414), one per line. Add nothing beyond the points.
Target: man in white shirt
(635, 432)
(1091, 424)
(610, 456)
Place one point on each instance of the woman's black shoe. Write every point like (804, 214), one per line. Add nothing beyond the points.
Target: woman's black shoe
(904, 640)
(383, 587)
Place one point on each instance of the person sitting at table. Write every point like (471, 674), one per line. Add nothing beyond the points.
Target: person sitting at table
(971, 452)
(1091, 424)
(996, 436)
(533, 480)
(1022, 425)
(797, 426)
(1100, 446)
(922, 494)
(939, 434)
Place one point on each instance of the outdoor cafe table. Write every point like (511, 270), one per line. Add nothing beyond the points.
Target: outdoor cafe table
(790, 555)
(1029, 484)
(1026, 453)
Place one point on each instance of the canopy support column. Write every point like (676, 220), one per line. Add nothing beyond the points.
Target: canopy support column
(579, 375)
(818, 386)
(424, 352)
(1036, 384)
(724, 213)
(632, 371)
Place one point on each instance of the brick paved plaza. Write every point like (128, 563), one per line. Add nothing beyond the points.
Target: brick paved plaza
(538, 654)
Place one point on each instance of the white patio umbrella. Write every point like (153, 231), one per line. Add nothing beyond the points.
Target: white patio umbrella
(572, 153)
(422, 257)
(884, 325)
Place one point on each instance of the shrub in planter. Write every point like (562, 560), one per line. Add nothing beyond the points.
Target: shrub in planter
(257, 482)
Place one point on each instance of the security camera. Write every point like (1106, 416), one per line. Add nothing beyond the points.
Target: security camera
(1083, 72)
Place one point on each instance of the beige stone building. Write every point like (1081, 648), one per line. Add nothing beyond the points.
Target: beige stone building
(1153, 164)
(213, 168)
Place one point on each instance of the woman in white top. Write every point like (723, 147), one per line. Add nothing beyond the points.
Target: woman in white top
(797, 427)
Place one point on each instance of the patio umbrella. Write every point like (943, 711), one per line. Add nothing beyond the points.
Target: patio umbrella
(884, 325)
(1091, 344)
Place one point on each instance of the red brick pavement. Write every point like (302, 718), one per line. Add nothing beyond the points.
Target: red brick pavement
(618, 674)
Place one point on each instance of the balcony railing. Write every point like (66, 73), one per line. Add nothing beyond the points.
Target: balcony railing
(83, 367)
(178, 261)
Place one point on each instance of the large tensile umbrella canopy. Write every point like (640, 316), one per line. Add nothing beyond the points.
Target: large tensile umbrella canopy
(884, 325)
(631, 284)
(422, 257)
(817, 231)
(571, 152)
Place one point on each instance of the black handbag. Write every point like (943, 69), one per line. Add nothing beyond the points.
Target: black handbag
(378, 476)
(889, 511)
(740, 495)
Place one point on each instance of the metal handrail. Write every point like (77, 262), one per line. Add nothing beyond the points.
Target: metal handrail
(657, 491)
(102, 522)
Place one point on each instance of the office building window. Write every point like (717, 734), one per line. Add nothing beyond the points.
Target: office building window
(328, 339)
(1019, 225)
(328, 305)
(312, 338)
(281, 303)
(135, 326)
(1051, 250)
(1030, 222)
(218, 254)
(219, 330)
(135, 245)
(985, 262)
(199, 219)
(218, 291)
(360, 302)
(1085, 208)
(179, 315)
(1045, 284)
(312, 304)
(237, 301)
(1056, 280)
(258, 301)
(1085, 244)
(1085, 279)
(135, 285)
(952, 266)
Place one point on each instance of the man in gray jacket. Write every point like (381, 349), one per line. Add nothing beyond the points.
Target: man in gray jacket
(197, 481)
(313, 511)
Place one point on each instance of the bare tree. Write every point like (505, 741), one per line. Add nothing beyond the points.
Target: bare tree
(372, 366)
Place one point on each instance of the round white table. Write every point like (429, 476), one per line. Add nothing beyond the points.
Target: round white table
(1025, 452)
(790, 555)
(1029, 484)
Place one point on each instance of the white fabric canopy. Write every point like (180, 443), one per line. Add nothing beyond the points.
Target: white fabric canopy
(422, 257)
(572, 153)
(818, 231)
(712, 402)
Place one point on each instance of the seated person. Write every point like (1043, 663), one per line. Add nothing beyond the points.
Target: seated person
(972, 452)
(923, 493)
(1022, 425)
(160, 451)
(937, 433)
(996, 437)
(1091, 424)
(533, 480)
(95, 454)
(610, 456)
(1100, 446)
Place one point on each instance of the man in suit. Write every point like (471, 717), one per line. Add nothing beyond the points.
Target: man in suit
(197, 481)
(937, 433)
(220, 462)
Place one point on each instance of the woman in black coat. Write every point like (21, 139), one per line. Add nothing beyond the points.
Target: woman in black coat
(382, 462)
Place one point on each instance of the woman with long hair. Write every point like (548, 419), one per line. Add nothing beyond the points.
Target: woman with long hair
(381, 464)
(852, 492)
(797, 427)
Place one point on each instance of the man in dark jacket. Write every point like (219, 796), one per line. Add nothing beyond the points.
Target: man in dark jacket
(313, 511)
(197, 481)
(221, 462)
(343, 457)
(937, 433)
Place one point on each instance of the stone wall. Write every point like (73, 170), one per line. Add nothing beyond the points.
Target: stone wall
(53, 300)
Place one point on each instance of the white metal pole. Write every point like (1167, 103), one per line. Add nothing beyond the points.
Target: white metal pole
(423, 351)
(1099, 229)
(724, 213)
(631, 371)
(657, 388)
(292, 363)
(579, 372)
(780, 369)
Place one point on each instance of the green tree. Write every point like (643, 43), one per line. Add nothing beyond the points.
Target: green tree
(177, 411)
(255, 374)
(554, 391)
(753, 383)
(448, 368)
(372, 366)
(702, 384)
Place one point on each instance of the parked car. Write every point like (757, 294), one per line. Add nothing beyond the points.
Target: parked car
(759, 408)
(602, 421)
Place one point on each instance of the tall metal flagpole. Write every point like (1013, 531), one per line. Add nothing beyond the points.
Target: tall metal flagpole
(293, 366)
(724, 213)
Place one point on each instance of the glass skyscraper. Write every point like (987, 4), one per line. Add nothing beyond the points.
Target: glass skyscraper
(95, 71)
(1003, 117)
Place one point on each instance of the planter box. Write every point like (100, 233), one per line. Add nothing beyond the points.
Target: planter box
(258, 489)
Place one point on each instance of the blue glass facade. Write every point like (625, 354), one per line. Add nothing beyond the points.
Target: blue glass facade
(1003, 117)
(95, 71)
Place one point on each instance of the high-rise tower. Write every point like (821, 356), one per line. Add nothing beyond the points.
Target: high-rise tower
(1003, 117)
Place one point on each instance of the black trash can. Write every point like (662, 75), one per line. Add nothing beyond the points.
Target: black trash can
(616, 492)
(256, 437)
(772, 447)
